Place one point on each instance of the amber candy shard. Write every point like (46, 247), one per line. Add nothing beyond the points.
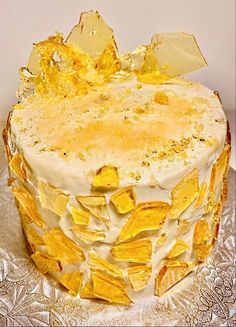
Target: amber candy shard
(139, 251)
(161, 98)
(45, 262)
(63, 248)
(124, 200)
(28, 205)
(72, 281)
(98, 263)
(80, 217)
(183, 227)
(184, 193)
(201, 197)
(147, 216)
(106, 178)
(177, 53)
(17, 165)
(201, 236)
(108, 63)
(96, 205)
(52, 198)
(139, 276)
(179, 248)
(201, 232)
(170, 274)
(110, 288)
(87, 291)
(89, 236)
(92, 34)
(33, 237)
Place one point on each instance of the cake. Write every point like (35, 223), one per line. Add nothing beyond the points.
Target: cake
(117, 164)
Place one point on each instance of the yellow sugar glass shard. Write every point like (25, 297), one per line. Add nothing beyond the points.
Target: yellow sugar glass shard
(147, 216)
(183, 227)
(52, 198)
(180, 247)
(124, 200)
(161, 98)
(18, 167)
(87, 291)
(92, 34)
(108, 63)
(28, 205)
(139, 276)
(89, 236)
(106, 177)
(45, 262)
(72, 281)
(184, 193)
(177, 53)
(201, 233)
(33, 237)
(98, 263)
(63, 248)
(150, 71)
(202, 251)
(171, 274)
(201, 197)
(96, 205)
(161, 239)
(109, 288)
(80, 217)
(135, 251)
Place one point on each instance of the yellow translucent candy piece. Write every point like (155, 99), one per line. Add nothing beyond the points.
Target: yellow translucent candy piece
(202, 251)
(170, 274)
(80, 217)
(92, 34)
(98, 263)
(150, 71)
(147, 216)
(52, 198)
(18, 167)
(87, 291)
(33, 63)
(177, 53)
(180, 247)
(108, 63)
(183, 227)
(139, 276)
(161, 98)
(72, 281)
(28, 205)
(33, 237)
(106, 177)
(124, 200)
(219, 169)
(161, 239)
(201, 196)
(109, 288)
(135, 251)
(96, 205)
(63, 248)
(184, 193)
(45, 262)
(89, 236)
(201, 233)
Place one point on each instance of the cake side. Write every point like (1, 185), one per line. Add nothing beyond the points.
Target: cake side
(140, 234)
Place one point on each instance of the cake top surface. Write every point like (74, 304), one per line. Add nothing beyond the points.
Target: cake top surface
(140, 128)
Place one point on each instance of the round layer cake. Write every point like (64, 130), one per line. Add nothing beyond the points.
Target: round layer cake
(119, 169)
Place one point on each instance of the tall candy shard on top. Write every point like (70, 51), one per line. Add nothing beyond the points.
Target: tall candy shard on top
(92, 34)
(89, 57)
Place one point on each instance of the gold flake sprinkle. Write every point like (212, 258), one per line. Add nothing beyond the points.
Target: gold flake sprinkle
(161, 98)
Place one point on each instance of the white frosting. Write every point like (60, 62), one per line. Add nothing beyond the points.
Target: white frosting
(108, 126)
